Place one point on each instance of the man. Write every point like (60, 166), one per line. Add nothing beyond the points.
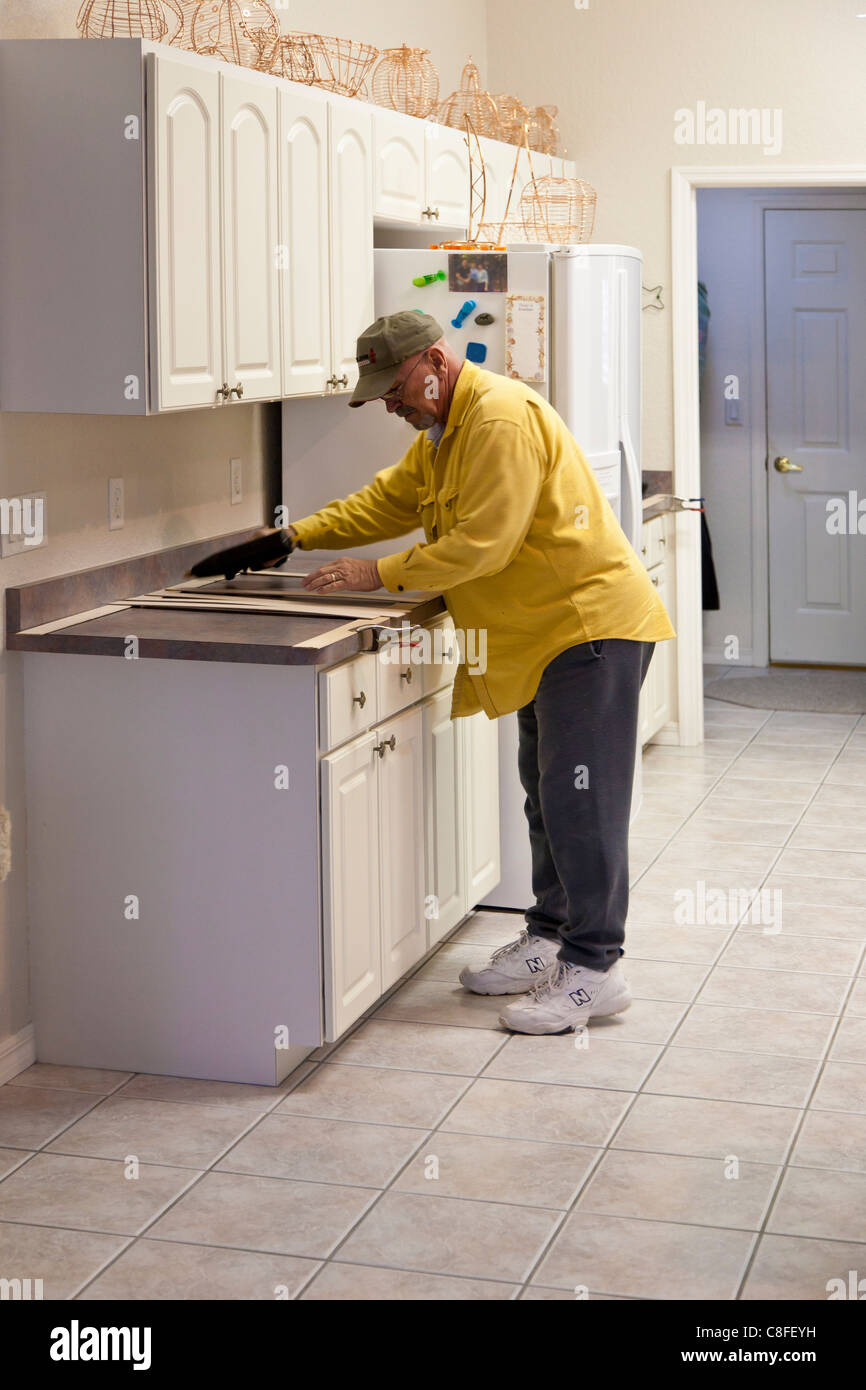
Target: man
(522, 544)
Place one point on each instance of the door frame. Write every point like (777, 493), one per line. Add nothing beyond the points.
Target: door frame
(685, 181)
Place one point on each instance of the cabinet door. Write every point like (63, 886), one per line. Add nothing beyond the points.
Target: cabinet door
(350, 884)
(447, 161)
(305, 293)
(662, 709)
(401, 837)
(186, 336)
(480, 776)
(443, 809)
(351, 184)
(398, 187)
(251, 326)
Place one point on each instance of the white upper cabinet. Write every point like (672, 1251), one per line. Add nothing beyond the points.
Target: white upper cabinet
(351, 218)
(447, 165)
(251, 324)
(303, 268)
(399, 172)
(186, 338)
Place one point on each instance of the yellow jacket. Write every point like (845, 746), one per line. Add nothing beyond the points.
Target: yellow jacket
(522, 543)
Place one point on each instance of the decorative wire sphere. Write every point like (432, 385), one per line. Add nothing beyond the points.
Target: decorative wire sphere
(405, 80)
(557, 210)
(118, 19)
(513, 116)
(469, 100)
(542, 132)
(184, 12)
(341, 64)
(238, 33)
(293, 59)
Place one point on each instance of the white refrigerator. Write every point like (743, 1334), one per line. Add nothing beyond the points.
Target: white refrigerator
(567, 320)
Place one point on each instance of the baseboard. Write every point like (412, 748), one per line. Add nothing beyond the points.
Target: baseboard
(17, 1053)
(716, 656)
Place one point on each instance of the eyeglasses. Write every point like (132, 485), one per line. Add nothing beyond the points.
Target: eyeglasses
(393, 394)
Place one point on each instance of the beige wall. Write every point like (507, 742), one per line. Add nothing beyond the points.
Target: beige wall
(175, 468)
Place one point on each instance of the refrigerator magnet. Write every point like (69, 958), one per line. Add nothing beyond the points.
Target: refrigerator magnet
(525, 335)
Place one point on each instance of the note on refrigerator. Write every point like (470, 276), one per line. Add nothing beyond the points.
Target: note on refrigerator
(525, 337)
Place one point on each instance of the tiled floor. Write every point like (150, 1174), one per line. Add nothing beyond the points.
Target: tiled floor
(709, 1143)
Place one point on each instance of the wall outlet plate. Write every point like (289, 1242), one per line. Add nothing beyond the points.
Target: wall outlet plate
(235, 482)
(115, 504)
(22, 523)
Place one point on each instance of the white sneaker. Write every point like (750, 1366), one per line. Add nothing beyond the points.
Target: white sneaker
(514, 968)
(569, 997)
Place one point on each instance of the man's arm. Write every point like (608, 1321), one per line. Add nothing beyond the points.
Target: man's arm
(495, 508)
(386, 507)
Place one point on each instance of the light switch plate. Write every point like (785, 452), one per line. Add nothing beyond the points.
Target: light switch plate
(235, 486)
(115, 504)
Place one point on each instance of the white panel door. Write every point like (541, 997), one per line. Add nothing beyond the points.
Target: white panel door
(447, 161)
(350, 884)
(816, 434)
(398, 188)
(480, 757)
(186, 339)
(351, 163)
(401, 836)
(445, 898)
(251, 326)
(305, 292)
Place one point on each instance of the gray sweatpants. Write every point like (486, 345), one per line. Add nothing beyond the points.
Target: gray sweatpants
(576, 753)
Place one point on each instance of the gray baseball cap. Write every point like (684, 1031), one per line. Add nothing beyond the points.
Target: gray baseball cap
(385, 346)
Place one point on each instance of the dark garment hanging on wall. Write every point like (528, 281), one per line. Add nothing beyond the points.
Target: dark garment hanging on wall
(709, 586)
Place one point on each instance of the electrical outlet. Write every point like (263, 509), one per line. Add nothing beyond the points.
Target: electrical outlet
(235, 489)
(22, 523)
(115, 504)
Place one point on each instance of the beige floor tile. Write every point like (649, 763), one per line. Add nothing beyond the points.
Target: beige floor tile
(790, 1268)
(756, 1077)
(494, 1169)
(749, 862)
(847, 774)
(445, 1235)
(647, 1021)
(820, 1202)
(831, 1140)
(780, 736)
(420, 1047)
(819, 835)
(231, 1095)
(842, 1087)
(849, 1045)
(651, 907)
(254, 1213)
(63, 1260)
(679, 879)
(689, 945)
(92, 1194)
(823, 863)
(75, 1078)
(775, 989)
(727, 805)
(450, 959)
(708, 1128)
(807, 919)
(366, 1283)
(769, 951)
(615, 1065)
(534, 1293)
(825, 815)
(686, 762)
(532, 1110)
(652, 825)
(645, 1259)
(852, 798)
(31, 1115)
(856, 1005)
(13, 1158)
(811, 719)
(756, 1030)
(704, 829)
(189, 1136)
(656, 979)
(316, 1150)
(377, 1095)
(489, 928)
(640, 859)
(689, 786)
(660, 803)
(773, 761)
(160, 1269)
(440, 1001)
(674, 1187)
(759, 792)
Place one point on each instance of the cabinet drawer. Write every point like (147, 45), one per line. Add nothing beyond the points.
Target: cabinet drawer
(399, 674)
(348, 700)
(653, 541)
(444, 655)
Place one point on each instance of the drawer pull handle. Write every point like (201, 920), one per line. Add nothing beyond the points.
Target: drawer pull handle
(655, 579)
(406, 676)
(643, 550)
(359, 699)
(386, 743)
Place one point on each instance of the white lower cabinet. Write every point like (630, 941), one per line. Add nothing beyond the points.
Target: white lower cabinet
(444, 889)
(480, 779)
(658, 695)
(400, 755)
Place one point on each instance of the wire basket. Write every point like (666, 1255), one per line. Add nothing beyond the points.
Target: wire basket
(513, 117)
(341, 64)
(405, 80)
(469, 100)
(558, 210)
(542, 132)
(245, 33)
(121, 19)
(183, 13)
(294, 59)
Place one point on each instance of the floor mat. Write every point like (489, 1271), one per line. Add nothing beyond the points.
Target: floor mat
(792, 688)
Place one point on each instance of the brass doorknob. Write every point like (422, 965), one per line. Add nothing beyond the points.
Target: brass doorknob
(783, 465)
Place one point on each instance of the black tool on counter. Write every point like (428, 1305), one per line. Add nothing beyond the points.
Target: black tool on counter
(252, 555)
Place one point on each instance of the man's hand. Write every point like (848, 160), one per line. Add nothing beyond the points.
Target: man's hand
(345, 573)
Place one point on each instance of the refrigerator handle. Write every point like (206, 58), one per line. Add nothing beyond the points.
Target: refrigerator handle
(631, 464)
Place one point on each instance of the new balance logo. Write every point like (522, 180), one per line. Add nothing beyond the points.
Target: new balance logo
(535, 964)
(580, 996)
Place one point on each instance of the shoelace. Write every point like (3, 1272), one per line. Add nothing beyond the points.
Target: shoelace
(547, 986)
(511, 946)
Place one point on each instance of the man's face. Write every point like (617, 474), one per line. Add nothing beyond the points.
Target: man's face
(412, 396)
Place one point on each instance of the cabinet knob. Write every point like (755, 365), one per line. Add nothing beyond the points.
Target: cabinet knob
(359, 699)
(344, 381)
(406, 675)
(655, 579)
(237, 390)
(332, 381)
(225, 391)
